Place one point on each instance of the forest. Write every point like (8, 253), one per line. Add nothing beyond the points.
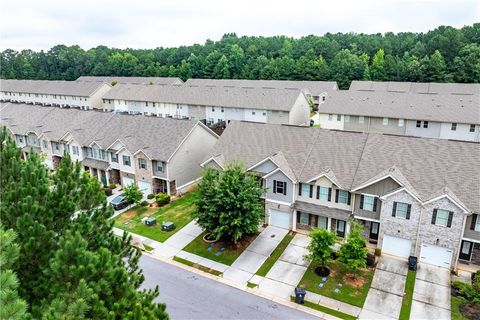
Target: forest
(445, 54)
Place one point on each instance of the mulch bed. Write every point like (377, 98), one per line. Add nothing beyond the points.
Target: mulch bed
(470, 311)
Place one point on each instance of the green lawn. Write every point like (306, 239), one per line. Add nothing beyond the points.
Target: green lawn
(407, 298)
(267, 265)
(179, 211)
(228, 256)
(456, 302)
(251, 285)
(348, 293)
(197, 266)
(329, 311)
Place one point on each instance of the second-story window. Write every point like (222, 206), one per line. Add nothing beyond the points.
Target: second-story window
(347, 118)
(401, 210)
(442, 218)
(126, 161)
(114, 157)
(472, 128)
(475, 223)
(368, 203)
(419, 124)
(385, 121)
(425, 124)
(280, 187)
(20, 139)
(342, 196)
(142, 163)
(401, 122)
(305, 190)
(45, 143)
(160, 166)
(339, 117)
(324, 193)
(57, 147)
(454, 127)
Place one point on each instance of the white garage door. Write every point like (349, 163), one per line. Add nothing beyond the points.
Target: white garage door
(279, 219)
(126, 181)
(396, 246)
(438, 256)
(145, 187)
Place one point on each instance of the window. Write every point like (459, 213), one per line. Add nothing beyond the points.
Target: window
(210, 121)
(305, 190)
(126, 161)
(114, 157)
(342, 196)
(45, 143)
(213, 109)
(361, 119)
(368, 202)
(264, 114)
(466, 247)
(280, 114)
(159, 166)
(401, 122)
(323, 193)
(472, 128)
(57, 147)
(477, 223)
(347, 118)
(322, 222)
(385, 121)
(419, 123)
(441, 217)
(75, 150)
(323, 98)
(253, 113)
(279, 187)
(304, 218)
(146, 104)
(20, 139)
(222, 109)
(425, 124)
(401, 210)
(142, 164)
(339, 117)
(454, 127)
(341, 228)
(330, 117)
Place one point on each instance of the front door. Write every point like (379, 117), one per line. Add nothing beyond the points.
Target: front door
(341, 228)
(374, 230)
(465, 250)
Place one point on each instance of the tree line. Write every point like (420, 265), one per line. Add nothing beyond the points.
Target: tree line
(444, 54)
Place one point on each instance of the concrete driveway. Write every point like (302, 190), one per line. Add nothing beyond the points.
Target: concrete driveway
(289, 269)
(431, 294)
(255, 255)
(384, 299)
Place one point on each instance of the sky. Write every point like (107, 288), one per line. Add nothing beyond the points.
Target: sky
(41, 24)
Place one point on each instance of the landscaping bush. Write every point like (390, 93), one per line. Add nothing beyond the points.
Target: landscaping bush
(370, 259)
(162, 199)
(108, 191)
(468, 291)
(144, 203)
(378, 252)
(112, 186)
(150, 196)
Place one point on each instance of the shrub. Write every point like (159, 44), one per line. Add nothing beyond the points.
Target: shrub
(162, 199)
(468, 291)
(370, 259)
(150, 196)
(144, 203)
(378, 252)
(108, 191)
(112, 186)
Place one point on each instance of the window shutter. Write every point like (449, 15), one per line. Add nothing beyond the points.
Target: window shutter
(474, 221)
(349, 198)
(361, 201)
(375, 204)
(394, 209)
(329, 194)
(434, 216)
(318, 192)
(409, 207)
(450, 218)
(285, 188)
(274, 186)
(336, 195)
(298, 216)
(300, 189)
(311, 191)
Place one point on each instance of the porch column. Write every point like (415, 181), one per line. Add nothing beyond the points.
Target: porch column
(329, 224)
(99, 175)
(347, 228)
(294, 223)
(91, 171)
(107, 175)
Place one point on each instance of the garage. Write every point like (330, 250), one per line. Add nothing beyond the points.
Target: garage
(435, 255)
(145, 187)
(126, 181)
(396, 246)
(279, 219)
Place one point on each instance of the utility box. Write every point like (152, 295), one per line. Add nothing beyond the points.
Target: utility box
(300, 295)
(168, 226)
(150, 221)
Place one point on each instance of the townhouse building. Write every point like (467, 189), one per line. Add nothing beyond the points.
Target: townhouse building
(159, 154)
(413, 196)
(432, 110)
(131, 80)
(82, 95)
(212, 104)
(317, 91)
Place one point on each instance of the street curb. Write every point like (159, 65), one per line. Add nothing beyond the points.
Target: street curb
(254, 291)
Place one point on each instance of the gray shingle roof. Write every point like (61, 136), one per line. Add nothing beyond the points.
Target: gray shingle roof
(132, 80)
(157, 137)
(60, 87)
(314, 87)
(234, 97)
(417, 87)
(425, 165)
(440, 107)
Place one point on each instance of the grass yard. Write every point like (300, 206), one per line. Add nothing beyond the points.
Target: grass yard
(251, 285)
(329, 311)
(197, 266)
(456, 302)
(267, 265)
(351, 293)
(179, 211)
(227, 256)
(407, 298)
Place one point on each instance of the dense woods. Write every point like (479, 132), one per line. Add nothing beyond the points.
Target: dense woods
(441, 55)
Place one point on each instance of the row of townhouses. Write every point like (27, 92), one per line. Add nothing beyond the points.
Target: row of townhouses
(414, 196)
(159, 154)
(433, 110)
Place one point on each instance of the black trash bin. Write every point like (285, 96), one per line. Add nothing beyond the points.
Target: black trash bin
(300, 295)
(412, 263)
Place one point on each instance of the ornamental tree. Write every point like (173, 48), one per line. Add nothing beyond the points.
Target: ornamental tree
(353, 252)
(133, 194)
(228, 203)
(321, 246)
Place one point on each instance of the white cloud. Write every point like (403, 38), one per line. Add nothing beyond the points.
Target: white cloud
(41, 24)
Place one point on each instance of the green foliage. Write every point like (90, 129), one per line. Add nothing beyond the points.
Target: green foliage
(162, 199)
(114, 82)
(150, 196)
(144, 203)
(70, 264)
(353, 252)
(321, 246)
(278, 57)
(471, 292)
(229, 203)
(11, 305)
(112, 186)
(132, 193)
(378, 252)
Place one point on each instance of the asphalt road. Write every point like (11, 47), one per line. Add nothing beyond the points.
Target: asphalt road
(190, 296)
